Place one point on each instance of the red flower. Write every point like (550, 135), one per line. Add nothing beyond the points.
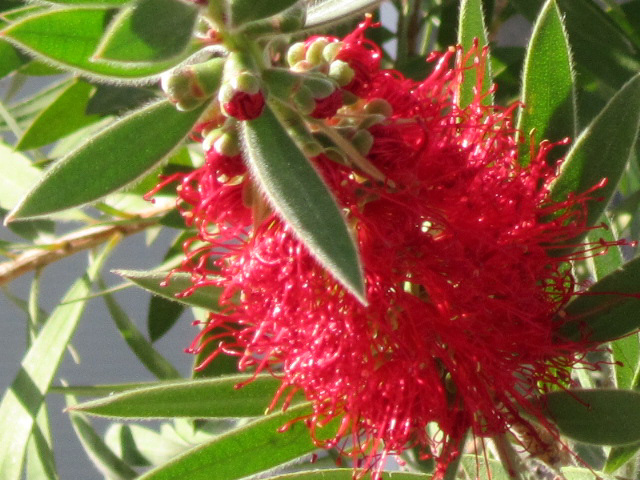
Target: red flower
(462, 278)
(245, 106)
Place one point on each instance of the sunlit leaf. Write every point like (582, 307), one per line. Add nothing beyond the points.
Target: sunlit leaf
(23, 399)
(301, 197)
(548, 85)
(112, 159)
(326, 12)
(208, 398)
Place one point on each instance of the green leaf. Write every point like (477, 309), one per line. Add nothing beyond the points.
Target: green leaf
(243, 11)
(135, 442)
(610, 136)
(346, 474)
(602, 265)
(148, 356)
(205, 297)
(618, 456)
(301, 197)
(106, 3)
(96, 390)
(115, 100)
(40, 462)
(601, 417)
(326, 12)
(65, 115)
(243, 451)
(67, 38)
(471, 27)
(24, 398)
(597, 43)
(163, 314)
(548, 84)
(577, 473)
(10, 59)
(608, 309)
(98, 452)
(210, 398)
(149, 30)
(114, 158)
(16, 176)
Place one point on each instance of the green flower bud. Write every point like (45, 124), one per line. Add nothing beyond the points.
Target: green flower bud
(362, 141)
(295, 53)
(379, 106)
(331, 50)
(341, 72)
(319, 85)
(314, 51)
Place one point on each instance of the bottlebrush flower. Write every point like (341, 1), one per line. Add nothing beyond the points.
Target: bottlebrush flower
(463, 274)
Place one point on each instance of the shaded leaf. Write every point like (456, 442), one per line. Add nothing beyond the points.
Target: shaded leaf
(112, 159)
(163, 314)
(301, 197)
(243, 11)
(618, 456)
(548, 85)
(210, 398)
(148, 356)
(603, 417)
(105, 460)
(608, 309)
(610, 136)
(65, 115)
(114, 100)
(149, 30)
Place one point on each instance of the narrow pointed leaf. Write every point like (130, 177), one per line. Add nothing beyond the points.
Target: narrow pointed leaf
(209, 398)
(243, 451)
(601, 417)
(346, 474)
(149, 30)
(243, 11)
(471, 26)
(67, 38)
(163, 315)
(24, 398)
(114, 158)
(98, 452)
(64, 116)
(204, 297)
(301, 197)
(618, 456)
(17, 175)
(597, 42)
(548, 84)
(326, 12)
(608, 309)
(40, 462)
(602, 150)
(148, 356)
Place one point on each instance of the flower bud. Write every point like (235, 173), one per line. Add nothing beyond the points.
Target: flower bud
(341, 72)
(223, 141)
(190, 86)
(295, 53)
(331, 50)
(314, 51)
(240, 96)
(362, 141)
(379, 106)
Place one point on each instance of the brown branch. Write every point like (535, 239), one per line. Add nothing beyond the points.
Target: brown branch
(36, 258)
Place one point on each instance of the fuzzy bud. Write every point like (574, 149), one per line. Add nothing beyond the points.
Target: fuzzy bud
(304, 101)
(331, 50)
(341, 72)
(296, 53)
(314, 51)
(363, 141)
(379, 106)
